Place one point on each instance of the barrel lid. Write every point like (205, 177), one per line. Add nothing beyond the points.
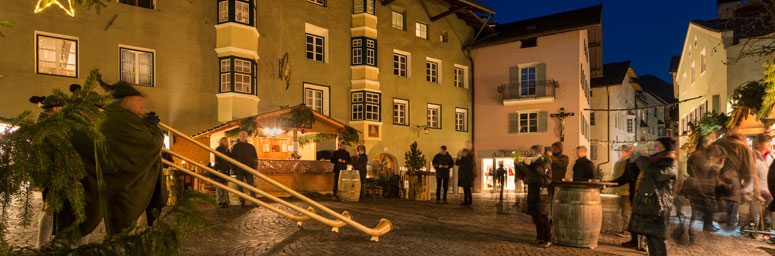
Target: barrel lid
(578, 184)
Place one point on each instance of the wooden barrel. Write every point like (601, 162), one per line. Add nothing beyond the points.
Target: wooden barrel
(577, 214)
(349, 185)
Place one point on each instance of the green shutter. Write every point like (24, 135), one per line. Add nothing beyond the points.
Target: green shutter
(513, 122)
(542, 121)
(513, 75)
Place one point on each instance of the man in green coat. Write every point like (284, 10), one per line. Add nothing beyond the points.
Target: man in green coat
(131, 168)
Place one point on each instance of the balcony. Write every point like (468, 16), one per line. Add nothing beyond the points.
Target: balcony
(528, 92)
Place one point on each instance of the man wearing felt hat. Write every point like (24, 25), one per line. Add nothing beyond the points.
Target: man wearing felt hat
(131, 168)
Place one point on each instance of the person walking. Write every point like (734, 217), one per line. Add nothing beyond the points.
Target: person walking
(500, 179)
(244, 153)
(651, 206)
(442, 162)
(559, 166)
(222, 166)
(738, 171)
(341, 159)
(623, 191)
(699, 187)
(762, 148)
(466, 175)
(583, 169)
(537, 176)
(361, 161)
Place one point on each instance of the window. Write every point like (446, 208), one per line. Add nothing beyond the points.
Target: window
(239, 11)
(444, 36)
(223, 11)
(630, 125)
(139, 3)
(365, 106)
(137, 66)
(318, 2)
(434, 116)
(432, 72)
(242, 12)
(692, 75)
(315, 48)
(363, 6)
(57, 55)
(527, 81)
(237, 75)
(400, 112)
(461, 119)
(400, 65)
(399, 22)
(702, 61)
(530, 42)
(592, 118)
(528, 122)
(593, 152)
(459, 78)
(314, 99)
(421, 30)
(361, 45)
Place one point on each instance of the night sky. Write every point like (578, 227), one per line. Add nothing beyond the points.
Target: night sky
(647, 32)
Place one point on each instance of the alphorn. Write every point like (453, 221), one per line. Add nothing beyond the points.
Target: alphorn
(309, 213)
(384, 226)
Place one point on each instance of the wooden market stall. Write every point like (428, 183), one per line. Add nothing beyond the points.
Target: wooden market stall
(287, 141)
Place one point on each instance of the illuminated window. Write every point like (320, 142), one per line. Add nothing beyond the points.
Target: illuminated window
(434, 116)
(461, 119)
(400, 112)
(421, 30)
(365, 106)
(57, 55)
(432, 72)
(223, 11)
(139, 3)
(363, 6)
(239, 11)
(399, 22)
(361, 46)
(237, 75)
(242, 12)
(137, 66)
(317, 98)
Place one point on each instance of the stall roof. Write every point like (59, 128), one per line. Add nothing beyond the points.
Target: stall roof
(322, 123)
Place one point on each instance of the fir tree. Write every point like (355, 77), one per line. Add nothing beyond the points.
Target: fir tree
(415, 160)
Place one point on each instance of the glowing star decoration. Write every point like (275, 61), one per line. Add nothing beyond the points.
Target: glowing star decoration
(43, 4)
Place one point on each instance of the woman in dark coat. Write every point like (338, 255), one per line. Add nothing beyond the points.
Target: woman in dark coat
(466, 174)
(222, 166)
(538, 175)
(360, 164)
(654, 196)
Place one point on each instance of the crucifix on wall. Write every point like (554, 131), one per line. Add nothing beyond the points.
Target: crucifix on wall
(562, 115)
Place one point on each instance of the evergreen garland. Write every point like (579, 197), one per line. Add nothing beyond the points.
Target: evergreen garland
(40, 154)
(248, 125)
(348, 137)
(302, 117)
(711, 122)
(768, 100)
(746, 99)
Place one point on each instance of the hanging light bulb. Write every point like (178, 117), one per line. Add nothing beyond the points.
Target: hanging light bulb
(267, 131)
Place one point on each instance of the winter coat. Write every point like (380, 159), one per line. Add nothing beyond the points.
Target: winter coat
(340, 154)
(244, 153)
(629, 177)
(559, 166)
(537, 176)
(360, 163)
(739, 165)
(466, 173)
(221, 165)
(762, 169)
(442, 159)
(583, 170)
(654, 196)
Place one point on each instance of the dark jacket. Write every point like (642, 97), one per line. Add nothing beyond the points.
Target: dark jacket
(360, 163)
(221, 165)
(340, 154)
(559, 166)
(465, 173)
(583, 170)
(439, 160)
(771, 185)
(244, 153)
(629, 177)
(739, 165)
(537, 175)
(654, 196)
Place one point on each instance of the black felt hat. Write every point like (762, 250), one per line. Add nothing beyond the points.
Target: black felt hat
(48, 102)
(123, 89)
(667, 142)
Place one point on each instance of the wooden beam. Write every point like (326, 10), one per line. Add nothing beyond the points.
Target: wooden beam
(387, 2)
(448, 12)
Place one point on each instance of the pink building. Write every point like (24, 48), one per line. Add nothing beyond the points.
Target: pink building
(524, 73)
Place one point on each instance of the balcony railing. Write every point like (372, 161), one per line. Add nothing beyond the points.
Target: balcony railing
(526, 90)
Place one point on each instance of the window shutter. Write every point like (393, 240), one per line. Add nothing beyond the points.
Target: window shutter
(541, 83)
(542, 121)
(513, 75)
(513, 122)
(716, 104)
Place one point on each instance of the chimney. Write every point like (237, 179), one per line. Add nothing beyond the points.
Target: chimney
(726, 8)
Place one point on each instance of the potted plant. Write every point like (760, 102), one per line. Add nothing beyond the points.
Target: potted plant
(415, 163)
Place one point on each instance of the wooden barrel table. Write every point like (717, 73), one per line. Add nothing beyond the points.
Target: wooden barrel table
(577, 213)
(349, 185)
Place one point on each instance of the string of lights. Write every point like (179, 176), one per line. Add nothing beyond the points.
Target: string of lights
(668, 105)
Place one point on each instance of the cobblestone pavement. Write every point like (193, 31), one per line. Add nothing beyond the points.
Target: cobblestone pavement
(420, 228)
